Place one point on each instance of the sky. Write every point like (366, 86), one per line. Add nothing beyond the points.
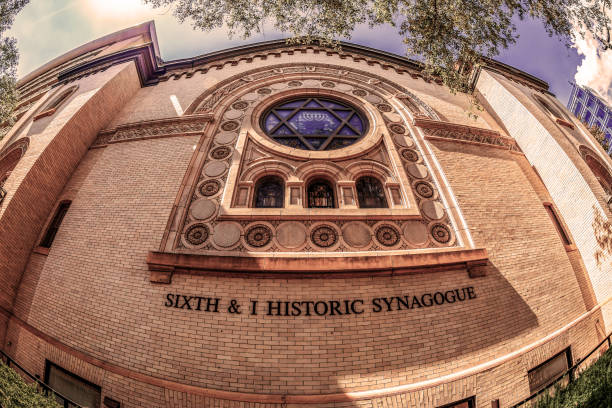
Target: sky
(46, 29)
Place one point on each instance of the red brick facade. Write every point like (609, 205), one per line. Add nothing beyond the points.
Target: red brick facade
(121, 296)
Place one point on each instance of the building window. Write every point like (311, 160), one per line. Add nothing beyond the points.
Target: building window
(558, 226)
(370, 193)
(600, 113)
(580, 94)
(55, 224)
(544, 374)
(72, 387)
(578, 109)
(466, 403)
(320, 194)
(269, 192)
(314, 124)
(587, 116)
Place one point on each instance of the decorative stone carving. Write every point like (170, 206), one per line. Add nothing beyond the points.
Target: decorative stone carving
(453, 131)
(210, 188)
(159, 128)
(387, 235)
(359, 92)
(441, 233)
(220, 152)
(230, 125)
(294, 84)
(396, 128)
(416, 232)
(240, 105)
(327, 84)
(424, 189)
(197, 234)
(384, 107)
(410, 155)
(258, 236)
(324, 236)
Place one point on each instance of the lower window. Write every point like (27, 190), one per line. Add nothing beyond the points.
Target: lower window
(73, 387)
(548, 371)
(466, 403)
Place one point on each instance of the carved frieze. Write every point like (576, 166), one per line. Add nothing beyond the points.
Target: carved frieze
(472, 134)
(193, 124)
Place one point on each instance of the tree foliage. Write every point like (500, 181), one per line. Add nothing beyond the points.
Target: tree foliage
(600, 136)
(9, 56)
(448, 36)
(15, 393)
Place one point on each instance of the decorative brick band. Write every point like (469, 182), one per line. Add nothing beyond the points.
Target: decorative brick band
(163, 265)
(435, 129)
(301, 399)
(179, 126)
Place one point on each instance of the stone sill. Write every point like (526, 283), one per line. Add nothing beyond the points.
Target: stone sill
(565, 123)
(162, 265)
(41, 250)
(44, 114)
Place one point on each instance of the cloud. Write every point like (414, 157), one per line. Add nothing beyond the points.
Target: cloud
(596, 68)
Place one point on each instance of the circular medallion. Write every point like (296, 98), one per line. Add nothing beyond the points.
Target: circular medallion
(327, 84)
(356, 234)
(415, 232)
(196, 234)
(240, 105)
(383, 107)
(324, 236)
(424, 189)
(220, 152)
(203, 208)
(410, 155)
(264, 91)
(258, 236)
(417, 170)
(230, 125)
(395, 128)
(226, 234)
(233, 114)
(387, 235)
(291, 234)
(433, 209)
(225, 138)
(210, 188)
(215, 169)
(359, 92)
(294, 83)
(441, 233)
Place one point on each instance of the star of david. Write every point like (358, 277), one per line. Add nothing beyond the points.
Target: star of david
(314, 124)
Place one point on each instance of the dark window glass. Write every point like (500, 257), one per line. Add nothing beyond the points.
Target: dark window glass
(55, 224)
(601, 113)
(590, 102)
(270, 192)
(544, 374)
(609, 122)
(580, 94)
(587, 116)
(370, 193)
(72, 387)
(466, 403)
(320, 194)
(577, 109)
(314, 124)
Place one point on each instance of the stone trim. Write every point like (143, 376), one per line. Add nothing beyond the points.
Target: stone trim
(434, 129)
(307, 398)
(179, 126)
(163, 265)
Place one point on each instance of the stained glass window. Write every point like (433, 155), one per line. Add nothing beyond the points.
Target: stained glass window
(314, 124)
(320, 194)
(270, 192)
(370, 193)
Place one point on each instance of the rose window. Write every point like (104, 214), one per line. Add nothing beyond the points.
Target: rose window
(314, 124)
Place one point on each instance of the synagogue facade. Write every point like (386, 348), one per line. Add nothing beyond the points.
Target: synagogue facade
(284, 225)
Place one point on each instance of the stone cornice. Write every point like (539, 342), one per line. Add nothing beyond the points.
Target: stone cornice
(179, 126)
(162, 265)
(435, 129)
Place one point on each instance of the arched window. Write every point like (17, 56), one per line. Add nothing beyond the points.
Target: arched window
(269, 192)
(320, 194)
(61, 211)
(370, 193)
